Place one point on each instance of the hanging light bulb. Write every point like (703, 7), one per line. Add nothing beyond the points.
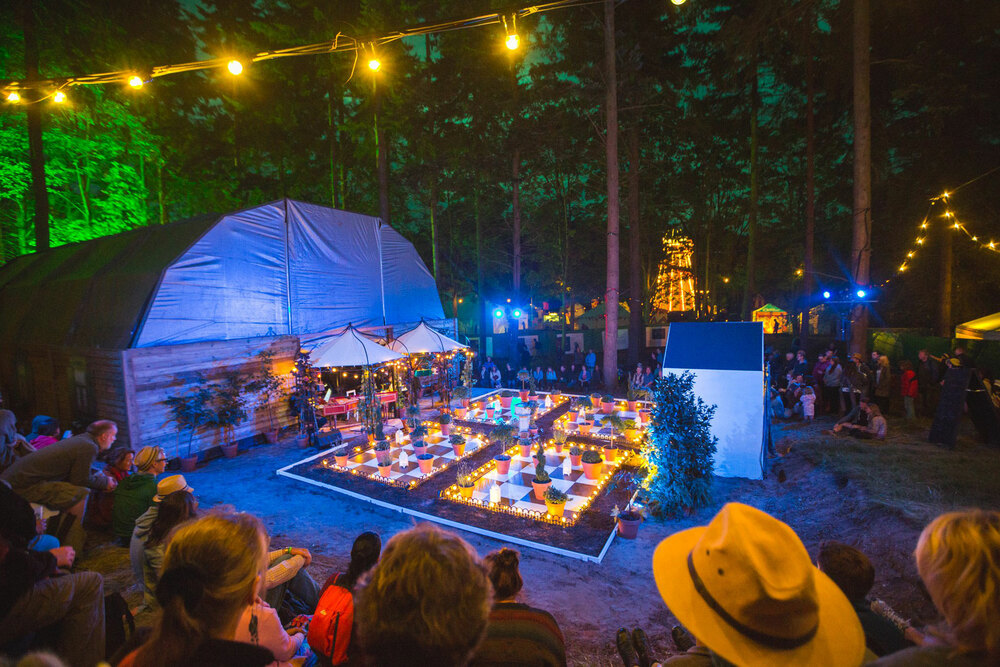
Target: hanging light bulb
(235, 67)
(678, 2)
(513, 41)
(374, 64)
(135, 81)
(12, 96)
(59, 97)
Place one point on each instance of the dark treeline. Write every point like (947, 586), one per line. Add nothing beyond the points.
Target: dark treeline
(465, 125)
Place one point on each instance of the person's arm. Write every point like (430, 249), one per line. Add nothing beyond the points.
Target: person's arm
(281, 572)
(273, 636)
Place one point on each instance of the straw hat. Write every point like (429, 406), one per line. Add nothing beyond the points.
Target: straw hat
(745, 587)
(169, 485)
(147, 456)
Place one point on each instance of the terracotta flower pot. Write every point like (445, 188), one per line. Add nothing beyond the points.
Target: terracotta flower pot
(572, 415)
(341, 459)
(574, 460)
(489, 413)
(466, 491)
(610, 454)
(503, 465)
(595, 399)
(189, 463)
(523, 395)
(559, 448)
(584, 427)
(384, 470)
(644, 416)
(525, 450)
(555, 509)
(607, 408)
(445, 429)
(230, 451)
(592, 470)
(632, 406)
(459, 449)
(628, 528)
(505, 401)
(271, 437)
(426, 465)
(540, 489)
(460, 413)
(465, 403)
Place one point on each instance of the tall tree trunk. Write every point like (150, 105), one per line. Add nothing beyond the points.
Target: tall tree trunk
(634, 258)
(611, 156)
(381, 161)
(433, 214)
(808, 284)
(331, 130)
(516, 204)
(861, 241)
(36, 149)
(160, 194)
(947, 260)
(706, 287)
(750, 289)
(480, 292)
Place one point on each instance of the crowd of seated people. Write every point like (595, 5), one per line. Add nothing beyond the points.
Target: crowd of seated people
(744, 588)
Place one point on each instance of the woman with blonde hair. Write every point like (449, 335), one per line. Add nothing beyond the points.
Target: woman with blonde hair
(212, 570)
(958, 557)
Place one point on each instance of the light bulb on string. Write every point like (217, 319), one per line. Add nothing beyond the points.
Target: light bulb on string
(59, 97)
(235, 67)
(13, 97)
(678, 3)
(135, 81)
(374, 64)
(512, 42)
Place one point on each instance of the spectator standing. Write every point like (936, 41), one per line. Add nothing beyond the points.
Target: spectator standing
(746, 589)
(854, 574)
(801, 364)
(883, 384)
(59, 477)
(808, 401)
(818, 375)
(427, 602)
(211, 572)
(909, 388)
(833, 380)
(550, 378)
(517, 634)
(957, 561)
(929, 374)
(12, 444)
(590, 362)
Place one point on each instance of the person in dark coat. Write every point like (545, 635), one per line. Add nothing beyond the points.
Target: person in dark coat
(929, 373)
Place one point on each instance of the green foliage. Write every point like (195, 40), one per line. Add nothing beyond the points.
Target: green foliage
(268, 385)
(445, 418)
(383, 460)
(456, 439)
(463, 475)
(191, 411)
(228, 403)
(382, 446)
(592, 456)
(418, 433)
(503, 435)
(559, 436)
(541, 476)
(616, 423)
(555, 496)
(680, 449)
(370, 406)
(575, 450)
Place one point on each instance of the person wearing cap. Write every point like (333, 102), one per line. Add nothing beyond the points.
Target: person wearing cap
(134, 493)
(745, 587)
(137, 541)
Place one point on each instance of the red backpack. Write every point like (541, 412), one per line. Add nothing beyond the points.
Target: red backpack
(330, 628)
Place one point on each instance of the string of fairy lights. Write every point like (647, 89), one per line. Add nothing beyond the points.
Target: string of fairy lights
(950, 219)
(33, 91)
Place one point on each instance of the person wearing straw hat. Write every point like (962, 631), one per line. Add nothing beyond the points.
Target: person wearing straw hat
(745, 587)
(134, 493)
(137, 540)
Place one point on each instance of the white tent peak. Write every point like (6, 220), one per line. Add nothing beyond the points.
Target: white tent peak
(424, 339)
(351, 348)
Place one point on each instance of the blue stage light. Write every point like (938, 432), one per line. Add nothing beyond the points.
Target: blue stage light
(498, 313)
(516, 313)
(826, 294)
(862, 293)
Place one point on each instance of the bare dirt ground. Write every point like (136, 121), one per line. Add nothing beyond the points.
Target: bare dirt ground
(590, 601)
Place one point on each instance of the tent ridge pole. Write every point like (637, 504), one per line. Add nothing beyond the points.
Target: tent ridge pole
(381, 270)
(288, 280)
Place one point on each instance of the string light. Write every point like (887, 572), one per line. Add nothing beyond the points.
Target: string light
(59, 97)
(13, 97)
(678, 3)
(512, 41)
(235, 67)
(136, 81)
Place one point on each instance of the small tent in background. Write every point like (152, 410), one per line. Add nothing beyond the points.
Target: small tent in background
(984, 328)
(774, 319)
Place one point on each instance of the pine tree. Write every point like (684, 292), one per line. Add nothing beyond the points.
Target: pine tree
(680, 449)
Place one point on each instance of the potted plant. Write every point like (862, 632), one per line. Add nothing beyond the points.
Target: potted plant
(526, 379)
(503, 464)
(574, 455)
(524, 444)
(457, 443)
(461, 413)
(616, 424)
(340, 455)
(541, 481)
(413, 414)
(417, 439)
(560, 437)
(573, 412)
(461, 392)
(631, 429)
(610, 452)
(445, 421)
(382, 447)
(595, 400)
(607, 404)
(635, 395)
(426, 462)
(584, 427)
(384, 462)
(490, 409)
(644, 416)
(555, 501)
(269, 388)
(230, 410)
(464, 480)
(191, 413)
(592, 464)
(628, 520)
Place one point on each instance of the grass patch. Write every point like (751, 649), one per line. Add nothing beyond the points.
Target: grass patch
(920, 481)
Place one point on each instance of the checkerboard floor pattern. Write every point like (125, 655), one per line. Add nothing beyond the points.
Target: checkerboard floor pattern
(480, 415)
(516, 490)
(598, 430)
(444, 456)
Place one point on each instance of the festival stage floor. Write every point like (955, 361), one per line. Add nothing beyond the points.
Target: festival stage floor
(586, 536)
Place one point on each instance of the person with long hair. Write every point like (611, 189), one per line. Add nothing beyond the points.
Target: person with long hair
(958, 558)
(516, 634)
(212, 569)
(175, 509)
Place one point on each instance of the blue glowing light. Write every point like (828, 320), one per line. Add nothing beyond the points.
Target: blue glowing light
(826, 294)
(498, 313)
(862, 293)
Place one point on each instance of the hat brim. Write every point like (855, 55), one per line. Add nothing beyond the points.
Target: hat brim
(839, 640)
(158, 498)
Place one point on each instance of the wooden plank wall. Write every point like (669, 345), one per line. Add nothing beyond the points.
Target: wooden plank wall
(66, 383)
(153, 374)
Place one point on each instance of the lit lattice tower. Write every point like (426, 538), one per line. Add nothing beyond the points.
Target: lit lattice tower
(675, 279)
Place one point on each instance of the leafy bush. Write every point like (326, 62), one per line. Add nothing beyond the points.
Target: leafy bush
(384, 460)
(382, 446)
(464, 475)
(456, 439)
(541, 476)
(554, 495)
(575, 450)
(591, 456)
(680, 449)
(444, 419)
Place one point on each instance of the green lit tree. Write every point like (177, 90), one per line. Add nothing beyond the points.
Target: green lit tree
(680, 449)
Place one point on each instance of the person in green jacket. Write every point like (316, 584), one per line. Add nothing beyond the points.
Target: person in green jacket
(134, 494)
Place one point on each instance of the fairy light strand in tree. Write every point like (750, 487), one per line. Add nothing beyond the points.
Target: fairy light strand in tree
(675, 279)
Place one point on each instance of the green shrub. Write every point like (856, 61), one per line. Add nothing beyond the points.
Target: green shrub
(591, 456)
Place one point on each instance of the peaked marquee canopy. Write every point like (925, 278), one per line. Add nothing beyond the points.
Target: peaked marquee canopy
(424, 339)
(351, 348)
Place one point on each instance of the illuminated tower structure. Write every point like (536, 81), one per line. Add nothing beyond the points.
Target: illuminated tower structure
(675, 279)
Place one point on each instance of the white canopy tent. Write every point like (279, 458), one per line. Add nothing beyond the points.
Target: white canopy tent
(423, 339)
(984, 328)
(351, 348)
